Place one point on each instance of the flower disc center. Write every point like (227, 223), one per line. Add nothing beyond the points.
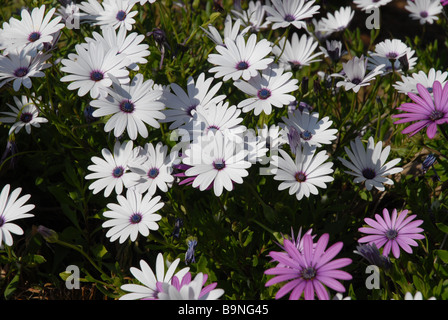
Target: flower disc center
(118, 172)
(26, 117)
(219, 165)
(264, 93)
(96, 75)
(153, 173)
(306, 135)
(21, 72)
(436, 115)
(242, 65)
(368, 173)
(121, 15)
(135, 218)
(300, 176)
(34, 36)
(127, 106)
(391, 234)
(309, 273)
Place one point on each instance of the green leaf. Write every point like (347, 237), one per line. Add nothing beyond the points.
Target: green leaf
(12, 286)
(442, 254)
(32, 260)
(442, 227)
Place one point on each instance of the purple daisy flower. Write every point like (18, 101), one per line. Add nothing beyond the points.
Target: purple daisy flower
(426, 111)
(309, 271)
(188, 289)
(393, 232)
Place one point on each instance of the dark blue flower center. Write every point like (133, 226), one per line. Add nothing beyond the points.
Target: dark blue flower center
(356, 81)
(96, 75)
(290, 17)
(121, 15)
(127, 106)
(34, 36)
(429, 89)
(118, 172)
(368, 173)
(213, 128)
(300, 176)
(391, 234)
(21, 72)
(219, 165)
(309, 273)
(135, 218)
(392, 55)
(153, 173)
(26, 117)
(242, 65)
(423, 14)
(436, 115)
(190, 110)
(264, 93)
(306, 135)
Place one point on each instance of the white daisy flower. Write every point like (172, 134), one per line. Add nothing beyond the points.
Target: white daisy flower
(369, 164)
(255, 146)
(240, 59)
(142, 2)
(354, 74)
(112, 171)
(216, 117)
(70, 14)
(418, 296)
(409, 83)
(32, 32)
(283, 13)
(391, 49)
(370, 4)
(90, 10)
(24, 115)
(311, 130)
(230, 31)
(90, 69)
(129, 45)
(149, 279)
(269, 88)
(20, 67)
(338, 21)
(425, 11)
(333, 50)
(133, 215)
(318, 30)
(297, 53)
(12, 208)
(156, 171)
(181, 105)
(216, 161)
(305, 173)
(117, 14)
(189, 289)
(375, 61)
(132, 106)
(253, 17)
(272, 138)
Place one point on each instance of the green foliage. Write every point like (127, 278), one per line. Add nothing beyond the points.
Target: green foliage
(235, 232)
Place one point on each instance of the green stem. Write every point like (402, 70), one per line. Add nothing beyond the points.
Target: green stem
(71, 246)
(443, 131)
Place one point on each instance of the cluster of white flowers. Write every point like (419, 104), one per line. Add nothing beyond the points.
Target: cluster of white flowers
(216, 148)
